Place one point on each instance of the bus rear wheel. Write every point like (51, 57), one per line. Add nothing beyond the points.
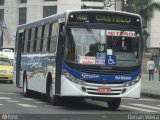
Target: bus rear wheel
(114, 104)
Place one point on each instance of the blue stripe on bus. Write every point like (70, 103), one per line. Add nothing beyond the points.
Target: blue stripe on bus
(99, 78)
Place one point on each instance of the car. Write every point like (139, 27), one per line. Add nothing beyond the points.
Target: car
(6, 69)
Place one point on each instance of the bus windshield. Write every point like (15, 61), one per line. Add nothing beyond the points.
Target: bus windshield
(93, 46)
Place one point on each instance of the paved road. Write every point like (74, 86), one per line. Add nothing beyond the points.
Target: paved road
(13, 103)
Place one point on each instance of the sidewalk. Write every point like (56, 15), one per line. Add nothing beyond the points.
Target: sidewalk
(150, 88)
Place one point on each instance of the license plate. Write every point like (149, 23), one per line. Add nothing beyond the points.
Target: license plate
(104, 90)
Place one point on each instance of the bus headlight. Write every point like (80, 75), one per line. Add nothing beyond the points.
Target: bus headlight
(72, 78)
(130, 83)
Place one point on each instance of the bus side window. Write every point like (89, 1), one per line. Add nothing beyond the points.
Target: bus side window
(29, 40)
(54, 33)
(35, 39)
(23, 40)
(38, 39)
(32, 40)
(46, 33)
(49, 37)
(26, 41)
(42, 38)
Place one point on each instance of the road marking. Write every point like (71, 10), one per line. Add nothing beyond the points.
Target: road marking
(4, 93)
(147, 106)
(28, 98)
(1, 104)
(135, 108)
(12, 101)
(158, 105)
(39, 102)
(27, 105)
(141, 99)
(4, 98)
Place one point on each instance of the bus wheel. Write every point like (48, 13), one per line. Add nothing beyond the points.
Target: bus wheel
(25, 87)
(114, 104)
(53, 99)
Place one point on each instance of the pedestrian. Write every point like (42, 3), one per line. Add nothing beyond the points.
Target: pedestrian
(151, 68)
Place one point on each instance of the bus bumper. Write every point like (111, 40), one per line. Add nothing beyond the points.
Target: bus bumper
(72, 89)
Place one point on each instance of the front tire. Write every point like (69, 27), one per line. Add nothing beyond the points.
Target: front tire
(114, 104)
(53, 99)
(25, 87)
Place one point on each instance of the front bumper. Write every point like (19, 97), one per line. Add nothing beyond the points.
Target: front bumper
(89, 90)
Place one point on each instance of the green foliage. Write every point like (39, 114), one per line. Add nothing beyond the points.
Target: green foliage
(145, 8)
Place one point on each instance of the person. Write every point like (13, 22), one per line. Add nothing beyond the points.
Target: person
(151, 68)
(91, 50)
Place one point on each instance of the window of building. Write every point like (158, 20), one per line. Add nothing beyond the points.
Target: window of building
(49, 10)
(50, 0)
(90, 7)
(22, 15)
(1, 14)
(1, 2)
(94, 0)
(23, 1)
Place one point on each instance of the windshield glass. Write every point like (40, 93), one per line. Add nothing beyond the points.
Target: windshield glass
(102, 47)
(5, 61)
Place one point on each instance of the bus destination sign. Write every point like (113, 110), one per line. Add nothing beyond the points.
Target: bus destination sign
(108, 18)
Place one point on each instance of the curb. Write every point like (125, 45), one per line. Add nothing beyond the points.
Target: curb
(150, 95)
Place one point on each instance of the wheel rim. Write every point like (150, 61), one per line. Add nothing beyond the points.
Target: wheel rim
(25, 86)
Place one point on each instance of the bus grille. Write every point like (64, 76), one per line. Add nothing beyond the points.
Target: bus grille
(94, 91)
(92, 88)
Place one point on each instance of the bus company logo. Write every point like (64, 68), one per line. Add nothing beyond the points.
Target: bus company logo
(123, 78)
(85, 75)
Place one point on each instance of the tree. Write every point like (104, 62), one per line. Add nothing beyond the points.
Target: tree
(145, 8)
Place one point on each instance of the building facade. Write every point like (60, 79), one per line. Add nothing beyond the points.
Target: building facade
(154, 30)
(17, 12)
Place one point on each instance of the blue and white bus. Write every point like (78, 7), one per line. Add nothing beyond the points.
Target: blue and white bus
(95, 54)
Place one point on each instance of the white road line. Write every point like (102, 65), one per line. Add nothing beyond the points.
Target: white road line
(145, 99)
(12, 101)
(158, 105)
(39, 102)
(1, 104)
(146, 106)
(28, 98)
(135, 108)
(141, 99)
(4, 93)
(27, 105)
(5, 98)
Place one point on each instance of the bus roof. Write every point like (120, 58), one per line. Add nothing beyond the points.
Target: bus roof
(63, 15)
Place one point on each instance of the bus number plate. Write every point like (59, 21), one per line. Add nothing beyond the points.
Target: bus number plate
(104, 90)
